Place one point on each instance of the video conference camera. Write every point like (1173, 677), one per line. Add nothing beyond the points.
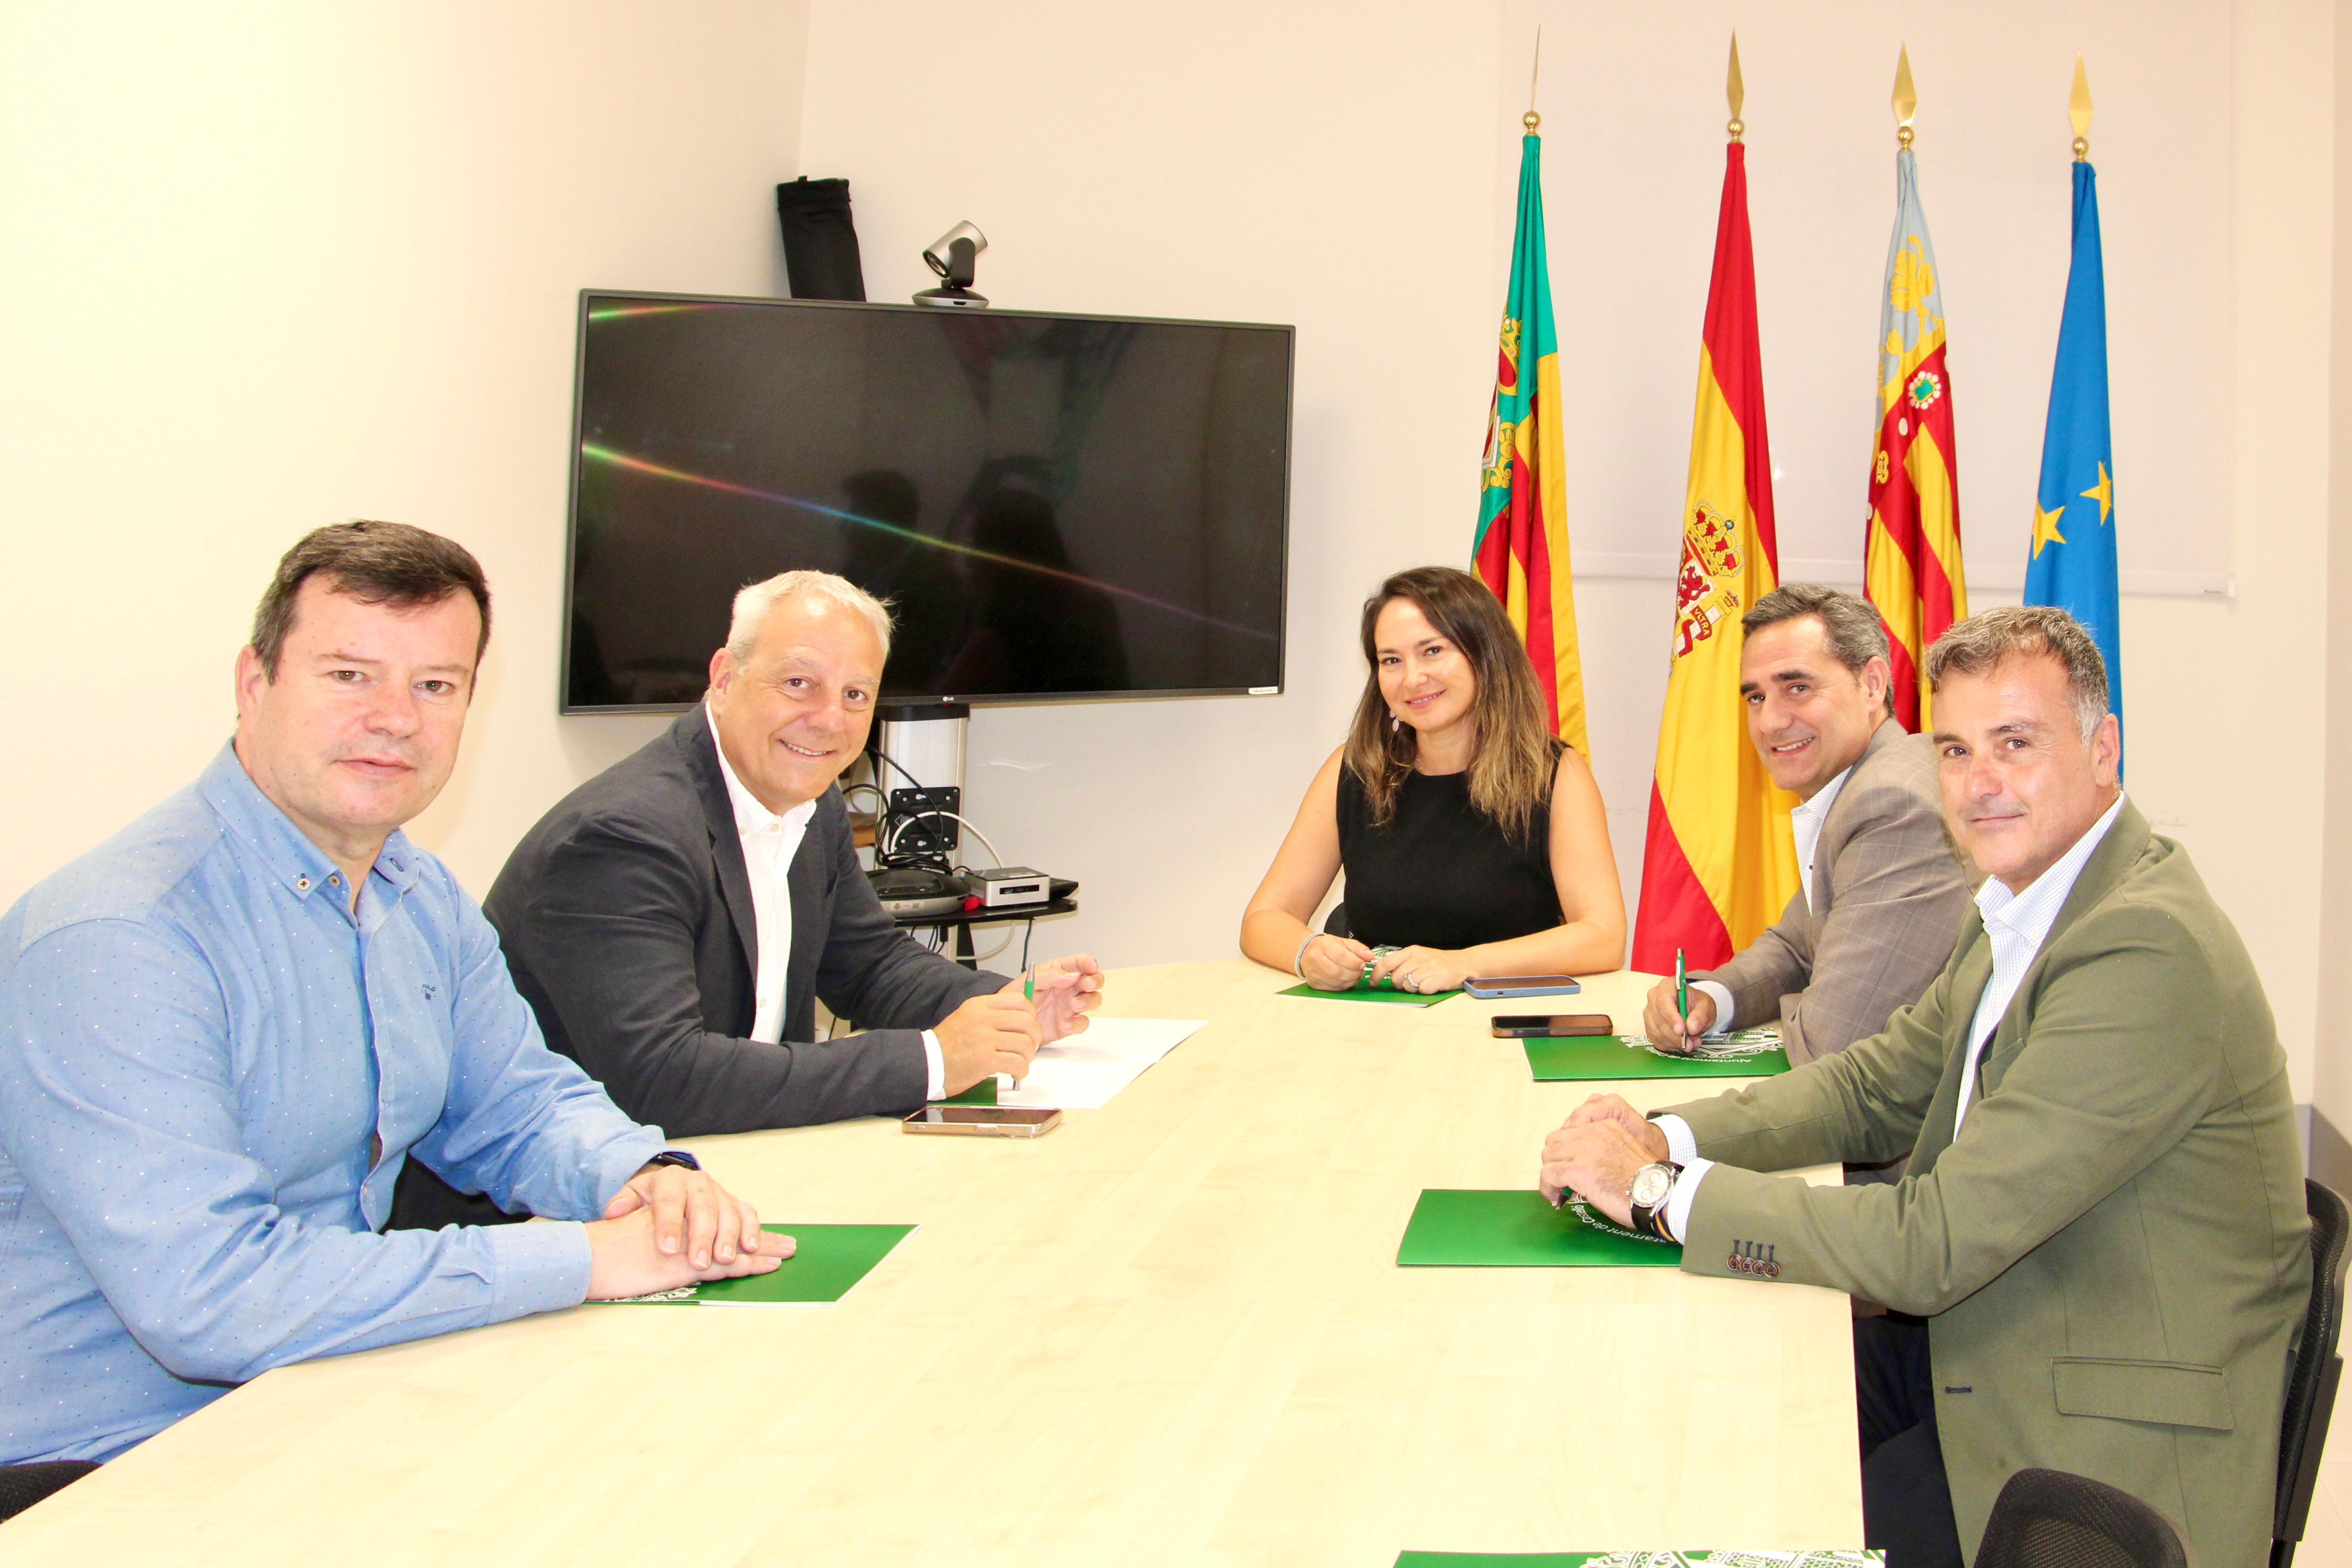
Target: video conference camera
(954, 256)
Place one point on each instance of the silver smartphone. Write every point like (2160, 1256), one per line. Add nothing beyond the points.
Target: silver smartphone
(984, 1121)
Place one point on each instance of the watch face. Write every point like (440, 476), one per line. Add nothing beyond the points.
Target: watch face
(1651, 1185)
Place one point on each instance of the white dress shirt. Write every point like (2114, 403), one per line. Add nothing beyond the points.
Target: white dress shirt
(770, 841)
(2016, 923)
(1805, 820)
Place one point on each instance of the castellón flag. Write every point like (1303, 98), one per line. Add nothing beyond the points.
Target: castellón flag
(1720, 864)
(1911, 552)
(2073, 560)
(1520, 549)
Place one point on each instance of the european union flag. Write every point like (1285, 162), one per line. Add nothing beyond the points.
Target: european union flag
(2073, 562)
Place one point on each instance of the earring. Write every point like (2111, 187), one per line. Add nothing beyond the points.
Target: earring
(1395, 724)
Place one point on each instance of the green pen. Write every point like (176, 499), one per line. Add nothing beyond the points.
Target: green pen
(1029, 995)
(1681, 986)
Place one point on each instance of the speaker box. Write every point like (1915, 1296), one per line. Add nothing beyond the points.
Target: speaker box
(820, 241)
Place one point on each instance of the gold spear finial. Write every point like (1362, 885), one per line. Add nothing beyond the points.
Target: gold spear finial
(1735, 90)
(1906, 96)
(2078, 110)
(1531, 119)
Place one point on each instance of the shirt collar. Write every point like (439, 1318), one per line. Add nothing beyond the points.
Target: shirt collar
(254, 820)
(1826, 796)
(2038, 905)
(751, 816)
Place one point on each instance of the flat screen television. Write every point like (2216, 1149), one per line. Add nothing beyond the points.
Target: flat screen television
(1055, 506)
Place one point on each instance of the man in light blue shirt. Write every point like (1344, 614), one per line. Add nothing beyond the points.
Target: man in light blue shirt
(223, 1032)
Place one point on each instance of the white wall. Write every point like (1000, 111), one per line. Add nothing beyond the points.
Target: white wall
(274, 265)
(2332, 1085)
(1325, 165)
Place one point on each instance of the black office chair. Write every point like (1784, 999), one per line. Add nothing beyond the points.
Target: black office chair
(22, 1486)
(2311, 1381)
(2048, 1519)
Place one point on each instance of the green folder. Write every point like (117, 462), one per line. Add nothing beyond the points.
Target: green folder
(829, 1259)
(1744, 1053)
(1362, 993)
(980, 1093)
(1659, 1558)
(1453, 1229)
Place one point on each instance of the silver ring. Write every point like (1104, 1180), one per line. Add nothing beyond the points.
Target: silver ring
(1412, 983)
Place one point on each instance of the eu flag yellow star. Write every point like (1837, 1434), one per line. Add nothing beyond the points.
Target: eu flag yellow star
(2045, 528)
(2104, 493)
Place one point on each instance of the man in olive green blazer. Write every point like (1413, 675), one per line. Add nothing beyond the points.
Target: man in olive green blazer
(2104, 1220)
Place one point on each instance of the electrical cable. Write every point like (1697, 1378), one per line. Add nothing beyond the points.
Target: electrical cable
(882, 853)
(899, 825)
(912, 781)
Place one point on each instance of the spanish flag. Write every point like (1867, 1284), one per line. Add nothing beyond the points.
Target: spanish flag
(1520, 549)
(1720, 864)
(1911, 556)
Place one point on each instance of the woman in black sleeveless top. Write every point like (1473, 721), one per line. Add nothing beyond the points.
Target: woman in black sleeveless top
(1473, 841)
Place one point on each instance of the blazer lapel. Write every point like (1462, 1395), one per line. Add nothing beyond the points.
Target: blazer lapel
(808, 883)
(2102, 874)
(1837, 826)
(1971, 972)
(701, 748)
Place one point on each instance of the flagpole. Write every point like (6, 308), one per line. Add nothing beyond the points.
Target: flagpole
(2078, 111)
(1906, 96)
(1735, 91)
(1531, 119)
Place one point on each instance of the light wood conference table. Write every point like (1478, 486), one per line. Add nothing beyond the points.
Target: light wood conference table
(1171, 1331)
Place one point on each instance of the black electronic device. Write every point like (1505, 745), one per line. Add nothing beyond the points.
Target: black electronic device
(911, 890)
(1557, 1026)
(919, 825)
(1056, 507)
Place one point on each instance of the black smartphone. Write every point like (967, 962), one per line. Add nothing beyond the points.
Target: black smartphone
(1558, 1026)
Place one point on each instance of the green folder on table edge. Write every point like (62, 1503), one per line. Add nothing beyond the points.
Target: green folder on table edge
(1363, 993)
(1585, 1058)
(1658, 1558)
(828, 1260)
(1457, 1228)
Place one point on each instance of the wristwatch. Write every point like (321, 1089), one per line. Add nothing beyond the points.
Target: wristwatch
(1648, 1192)
(678, 1157)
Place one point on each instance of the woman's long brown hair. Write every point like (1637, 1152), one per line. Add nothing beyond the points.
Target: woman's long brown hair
(1514, 757)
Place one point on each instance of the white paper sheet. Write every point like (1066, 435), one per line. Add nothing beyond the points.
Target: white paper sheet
(1082, 1072)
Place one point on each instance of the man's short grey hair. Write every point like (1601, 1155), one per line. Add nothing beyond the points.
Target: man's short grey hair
(1851, 628)
(1978, 646)
(754, 604)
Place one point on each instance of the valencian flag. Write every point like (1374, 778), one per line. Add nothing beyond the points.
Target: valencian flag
(1521, 546)
(1911, 556)
(1720, 864)
(2072, 564)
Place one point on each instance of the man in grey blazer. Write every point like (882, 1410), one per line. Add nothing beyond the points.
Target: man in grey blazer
(2103, 1221)
(674, 920)
(1881, 886)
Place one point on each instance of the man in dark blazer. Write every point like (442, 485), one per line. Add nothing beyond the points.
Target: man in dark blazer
(674, 921)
